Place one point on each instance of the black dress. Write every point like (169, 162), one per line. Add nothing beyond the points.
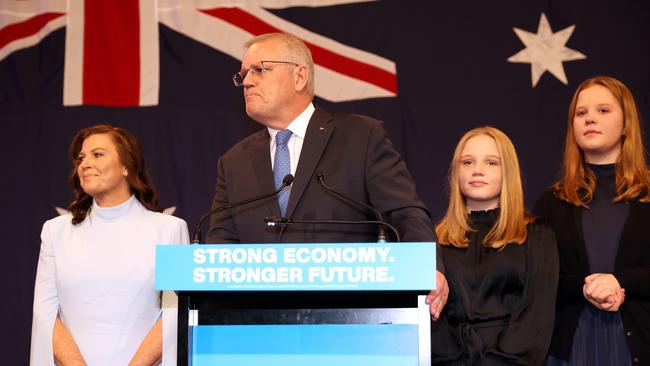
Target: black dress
(501, 302)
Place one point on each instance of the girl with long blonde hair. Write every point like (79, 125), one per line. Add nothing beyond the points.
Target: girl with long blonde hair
(502, 268)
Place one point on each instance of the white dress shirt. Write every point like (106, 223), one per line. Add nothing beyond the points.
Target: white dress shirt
(298, 128)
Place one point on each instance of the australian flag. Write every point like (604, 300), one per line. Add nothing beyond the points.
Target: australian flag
(431, 70)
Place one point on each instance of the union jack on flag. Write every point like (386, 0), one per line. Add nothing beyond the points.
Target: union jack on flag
(112, 47)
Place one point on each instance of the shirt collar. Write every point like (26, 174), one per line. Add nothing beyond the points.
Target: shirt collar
(299, 125)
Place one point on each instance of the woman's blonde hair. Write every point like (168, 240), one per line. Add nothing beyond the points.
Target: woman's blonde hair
(577, 183)
(510, 226)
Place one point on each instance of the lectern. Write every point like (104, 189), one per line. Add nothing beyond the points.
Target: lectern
(301, 304)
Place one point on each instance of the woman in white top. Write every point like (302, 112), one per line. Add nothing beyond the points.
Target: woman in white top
(94, 297)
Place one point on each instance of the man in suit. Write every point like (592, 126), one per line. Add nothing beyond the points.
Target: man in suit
(351, 153)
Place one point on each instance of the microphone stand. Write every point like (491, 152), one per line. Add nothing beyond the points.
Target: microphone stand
(381, 234)
(275, 221)
(196, 238)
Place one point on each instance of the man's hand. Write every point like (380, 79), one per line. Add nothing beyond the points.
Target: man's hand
(436, 299)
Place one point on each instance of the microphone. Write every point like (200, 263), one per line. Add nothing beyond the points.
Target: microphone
(379, 218)
(196, 237)
(275, 221)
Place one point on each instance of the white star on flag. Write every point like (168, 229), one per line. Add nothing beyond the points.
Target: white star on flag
(545, 51)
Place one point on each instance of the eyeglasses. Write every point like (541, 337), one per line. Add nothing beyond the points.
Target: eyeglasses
(257, 70)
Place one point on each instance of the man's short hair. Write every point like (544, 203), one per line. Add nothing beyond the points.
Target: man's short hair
(295, 50)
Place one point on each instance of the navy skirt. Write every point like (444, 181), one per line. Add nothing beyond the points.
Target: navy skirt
(599, 341)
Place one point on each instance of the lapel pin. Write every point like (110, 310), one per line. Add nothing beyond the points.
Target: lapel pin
(323, 129)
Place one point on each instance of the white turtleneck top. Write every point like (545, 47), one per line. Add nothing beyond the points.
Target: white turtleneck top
(99, 276)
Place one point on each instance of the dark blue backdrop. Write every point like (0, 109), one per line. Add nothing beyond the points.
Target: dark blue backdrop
(452, 74)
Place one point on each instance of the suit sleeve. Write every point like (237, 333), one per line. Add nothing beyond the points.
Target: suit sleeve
(391, 189)
(46, 302)
(528, 335)
(222, 227)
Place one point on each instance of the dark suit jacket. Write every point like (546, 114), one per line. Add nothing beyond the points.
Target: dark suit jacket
(355, 157)
(632, 270)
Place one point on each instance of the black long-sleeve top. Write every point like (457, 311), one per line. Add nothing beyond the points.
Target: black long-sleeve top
(500, 308)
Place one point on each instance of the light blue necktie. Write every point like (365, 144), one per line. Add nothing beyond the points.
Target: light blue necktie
(282, 167)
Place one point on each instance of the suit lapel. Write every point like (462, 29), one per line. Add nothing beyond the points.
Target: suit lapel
(318, 134)
(261, 162)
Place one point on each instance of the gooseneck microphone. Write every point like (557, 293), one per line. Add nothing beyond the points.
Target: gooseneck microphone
(379, 220)
(275, 221)
(196, 237)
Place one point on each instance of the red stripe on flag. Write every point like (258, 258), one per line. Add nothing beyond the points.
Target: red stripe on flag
(111, 57)
(25, 28)
(326, 58)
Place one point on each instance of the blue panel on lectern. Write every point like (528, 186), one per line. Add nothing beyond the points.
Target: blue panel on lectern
(305, 344)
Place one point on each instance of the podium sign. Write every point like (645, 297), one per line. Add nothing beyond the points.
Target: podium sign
(301, 304)
(296, 267)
